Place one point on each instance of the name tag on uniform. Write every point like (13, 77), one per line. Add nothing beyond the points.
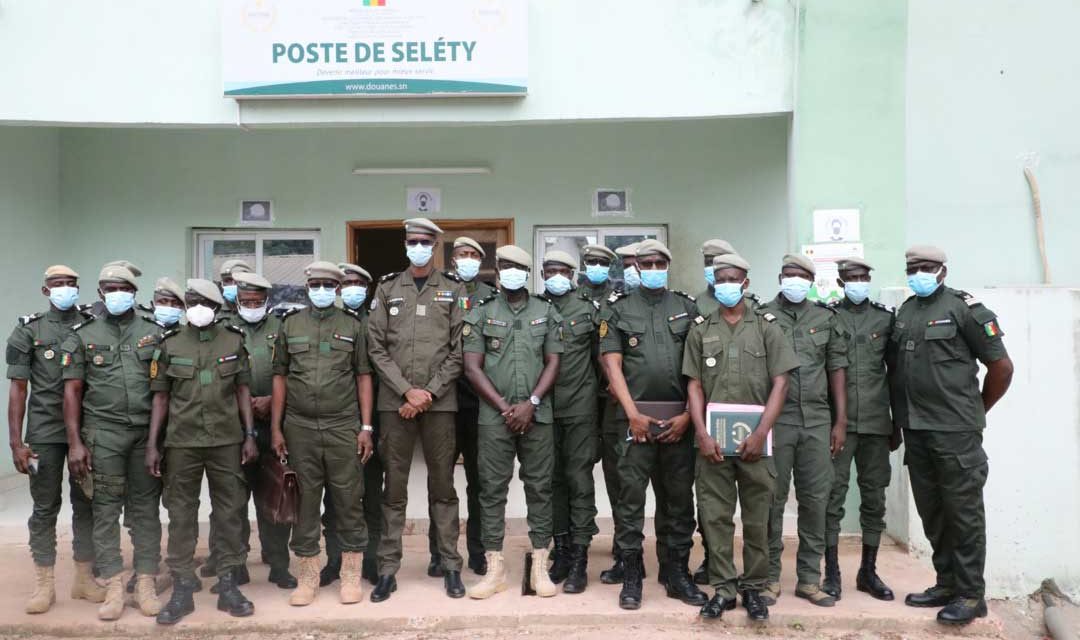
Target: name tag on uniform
(393, 301)
(935, 323)
(229, 358)
(496, 322)
(421, 309)
(344, 338)
(677, 316)
(533, 323)
(444, 296)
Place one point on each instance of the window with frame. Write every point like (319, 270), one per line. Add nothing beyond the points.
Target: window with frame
(572, 240)
(279, 256)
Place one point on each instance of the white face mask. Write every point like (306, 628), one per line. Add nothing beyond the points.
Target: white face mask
(252, 316)
(200, 316)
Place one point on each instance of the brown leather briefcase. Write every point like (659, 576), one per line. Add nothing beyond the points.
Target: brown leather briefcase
(278, 491)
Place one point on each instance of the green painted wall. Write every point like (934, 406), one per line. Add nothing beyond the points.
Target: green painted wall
(33, 236)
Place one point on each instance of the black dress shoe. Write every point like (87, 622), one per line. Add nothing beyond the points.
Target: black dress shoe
(434, 568)
(962, 611)
(230, 599)
(180, 602)
(935, 596)
(478, 564)
(716, 606)
(383, 588)
(754, 605)
(282, 578)
(370, 570)
(331, 572)
(453, 585)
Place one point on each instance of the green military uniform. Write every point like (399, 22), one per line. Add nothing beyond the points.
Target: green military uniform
(514, 339)
(415, 342)
(321, 352)
(868, 327)
(111, 355)
(736, 365)
(577, 438)
(801, 437)
(33, 354)
(649, 328)
(937, 401)
(201, 370)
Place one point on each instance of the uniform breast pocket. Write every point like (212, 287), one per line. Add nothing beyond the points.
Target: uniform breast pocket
(180, 371)
(753, 360)
(299, 355)
(495, 337)
(538, 332)
(819, 337)
(581, 329)
(632, 331)
(679, 328)
(940, 344)
(228, 368)
(342, 353)
(100, 358)
(145, 353)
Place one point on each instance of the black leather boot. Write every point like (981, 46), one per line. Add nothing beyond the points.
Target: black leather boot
(754, 605)
(831, 584)
(679, 585)
(615, 574)
(281, 577)
(478, 564)
(867, 579)
(434, 567)
(560, 558)
(962, 611)
(453, 585)
(331, 572)
(701, 575)
(229, 597)
(935, 596)
(180, 603)
(383, 588)
(716, 606)
(630, 596)
(578, 576)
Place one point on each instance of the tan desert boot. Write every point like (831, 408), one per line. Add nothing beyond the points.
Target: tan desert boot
(84, 587)
(540, 581)
(146, 595)
(351, 589)
(44, 590)
(307, 582)
(114, 599)
(494, 580)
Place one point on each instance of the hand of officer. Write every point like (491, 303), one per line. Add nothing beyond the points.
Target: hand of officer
(153, 461)
(364, 446)
(419, 399)
(407, 411)
(639, 426)
(260, 408)
(21, 455)
(709, 448)
(79, 460)
(752, 447)
(277, 444)
(896, 439)
(249, 452)
(519, 417)
(675, 430)
(839, 435)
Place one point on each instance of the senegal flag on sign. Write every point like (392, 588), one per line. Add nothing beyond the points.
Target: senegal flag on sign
(374, 3)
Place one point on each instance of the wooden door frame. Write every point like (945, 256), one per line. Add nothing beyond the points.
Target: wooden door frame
(352, 227)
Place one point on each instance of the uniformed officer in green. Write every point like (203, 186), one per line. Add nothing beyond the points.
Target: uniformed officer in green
(106, 370)
(228, 286)
(33, 367)
(201, 380)
(320, 419)
(466, 258)
(168, 304)
(576, 432)
(939, 335)
(870, 434)
(354, 293)
(597, 283)
(512, 344)
(809, 431)
(736, 356)
(642, 335)
(97, 307)
(260, 329)
(415, 346)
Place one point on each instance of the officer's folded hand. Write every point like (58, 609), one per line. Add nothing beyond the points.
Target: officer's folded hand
(752, 447)
(153, 461)
(639, 426)
(364, 446)
(519, 417)
(676, 429)
(277, 444)
(407, 411)
(709, 448)
(79, 460)
(419, 399)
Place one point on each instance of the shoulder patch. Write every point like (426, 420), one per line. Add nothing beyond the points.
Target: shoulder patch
(883, 307)
(25, 320)
(389, 276)
(450, 275)
(752, 296)
(684, 294)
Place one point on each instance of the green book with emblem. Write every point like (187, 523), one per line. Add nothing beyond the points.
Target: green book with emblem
(730, 424)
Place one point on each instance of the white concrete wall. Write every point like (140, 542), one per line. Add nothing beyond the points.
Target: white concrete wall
(138, 62)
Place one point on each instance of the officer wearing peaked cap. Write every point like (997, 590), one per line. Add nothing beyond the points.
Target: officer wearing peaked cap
(228, 286)
(598, 260)
(168, 301)
(710, 249)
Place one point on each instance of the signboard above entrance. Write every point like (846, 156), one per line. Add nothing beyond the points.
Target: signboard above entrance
(374, 48)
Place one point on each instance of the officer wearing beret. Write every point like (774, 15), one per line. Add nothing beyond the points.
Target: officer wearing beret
(642, 334)
(576, 432)
(512, 344)
(465, 261)
(736, 356)
(415, 345)
(320, 417)
(33, 367)
(868, 326)
(939, 335)
(106, 370)
(803, 440)
(354, 293)
(598, 259)
(168, 302)
(201, 380)
(228, 286)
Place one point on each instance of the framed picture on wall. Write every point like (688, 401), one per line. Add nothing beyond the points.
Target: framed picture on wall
(255, 213)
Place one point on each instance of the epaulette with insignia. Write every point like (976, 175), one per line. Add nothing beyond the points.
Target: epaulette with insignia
(968, 299)
(595, 304)
(170, 333)
(159, 323)
(389, 276)
(834, 303)
(615, 296)
(685, 295)
(752, 296)
(142, 306)
(285, 313)
(766, 314)
(25, 320)
(234, 329)
(452, 276)
(699, 319)
(84, 323)
(824, 305)
(87, 310)
(883, 307)
(483, 301)
(354, 313)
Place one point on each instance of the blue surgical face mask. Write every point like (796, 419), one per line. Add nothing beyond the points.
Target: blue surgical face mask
(923, 283)
(857, 292)
(557, 284)
(353, 296)
(795, 289)
(419, 255)
(167, 316)
(322, 297)
(728, 293)
(119, 302)
(512, 279)
(654, 278)
(229, 292)
(63, 298)
(467, 268)
(710, 275)
(631, 278)
(596, 273)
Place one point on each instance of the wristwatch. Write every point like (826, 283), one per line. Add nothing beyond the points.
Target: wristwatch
(367, 427)
(250, 433)
(535, 401)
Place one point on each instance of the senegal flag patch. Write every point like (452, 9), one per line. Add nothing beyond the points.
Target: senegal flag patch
(992, 329)
(465, 303)
(65, 360)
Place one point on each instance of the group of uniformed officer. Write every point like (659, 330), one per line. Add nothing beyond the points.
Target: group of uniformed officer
(142, 406)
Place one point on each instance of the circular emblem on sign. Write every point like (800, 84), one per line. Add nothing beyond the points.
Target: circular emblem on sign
(99, 359)
(394, 311)
(633, 341)
(49, 354)
(495, 343)
(710, 362)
